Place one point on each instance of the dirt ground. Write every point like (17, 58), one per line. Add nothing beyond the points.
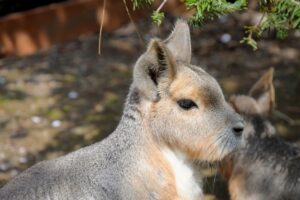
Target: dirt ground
(68, 97)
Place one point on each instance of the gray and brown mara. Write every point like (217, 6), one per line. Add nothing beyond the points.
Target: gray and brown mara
(265, 167)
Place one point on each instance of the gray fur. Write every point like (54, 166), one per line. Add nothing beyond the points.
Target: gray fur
(94, 172)
(270, 166)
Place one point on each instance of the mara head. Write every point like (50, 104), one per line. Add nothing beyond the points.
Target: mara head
(257, 106)
(183, 107)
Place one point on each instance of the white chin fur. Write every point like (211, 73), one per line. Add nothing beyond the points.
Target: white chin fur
(188, 182)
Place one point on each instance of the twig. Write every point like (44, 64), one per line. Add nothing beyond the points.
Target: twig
(261, 19)
(131, 19)
(255, 27)
(101, 27)
(161, 5)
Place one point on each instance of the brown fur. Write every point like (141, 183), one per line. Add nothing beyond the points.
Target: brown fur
(226, 167)
(236, 183)
(163, 171)
(180, 90)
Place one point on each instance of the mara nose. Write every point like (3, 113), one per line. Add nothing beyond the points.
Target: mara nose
(238, 129)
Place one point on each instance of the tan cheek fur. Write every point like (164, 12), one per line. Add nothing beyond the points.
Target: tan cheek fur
(179, 90)
(203, 149)
(198, 147)
(226, 167)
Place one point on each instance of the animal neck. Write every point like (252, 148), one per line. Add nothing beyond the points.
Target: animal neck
(166, 163)
(131, 120)
(188, 181)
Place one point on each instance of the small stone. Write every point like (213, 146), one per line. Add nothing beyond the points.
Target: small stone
(2, 80)
(36, 119)
(14, 172)
(225, 38)
(2, 156)
(56, 123)
(5, 166)
(73, 94)
(23, 160)
(22, 151)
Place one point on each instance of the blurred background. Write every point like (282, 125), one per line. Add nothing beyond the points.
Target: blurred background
(58, 94)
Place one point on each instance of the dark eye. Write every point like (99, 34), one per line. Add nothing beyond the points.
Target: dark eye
(186, 104)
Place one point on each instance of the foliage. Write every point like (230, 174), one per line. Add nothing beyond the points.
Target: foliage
(279, 15)
(212, 8)
(139, 3)
(157, 17)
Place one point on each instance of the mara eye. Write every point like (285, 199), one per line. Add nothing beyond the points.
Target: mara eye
(187, 104)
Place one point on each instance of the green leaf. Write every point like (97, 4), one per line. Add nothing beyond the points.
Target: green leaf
(139, 3)
(250, 41)
(281, 33)
(157, 17)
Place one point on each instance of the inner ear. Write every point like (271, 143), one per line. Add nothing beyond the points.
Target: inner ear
(155, 70)
(163, 66)
(153, 75)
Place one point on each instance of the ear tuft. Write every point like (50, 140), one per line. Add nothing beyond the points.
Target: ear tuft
(163, 63)
(263, 92)
(179, 42)
(155, 67)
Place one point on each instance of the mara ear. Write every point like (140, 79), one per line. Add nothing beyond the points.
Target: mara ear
(156, 67)
(179, 42)
(244, 104)
(263, 92)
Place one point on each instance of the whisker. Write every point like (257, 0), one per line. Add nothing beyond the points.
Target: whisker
(215, 176)
(227, 140)
(214, 143)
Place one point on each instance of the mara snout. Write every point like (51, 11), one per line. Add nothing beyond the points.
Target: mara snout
(194, 117)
